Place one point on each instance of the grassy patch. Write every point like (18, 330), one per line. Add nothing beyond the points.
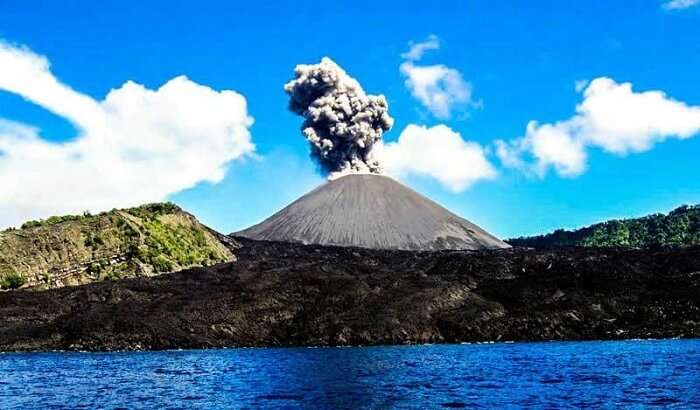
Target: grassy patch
(12, 280)
(168, 245)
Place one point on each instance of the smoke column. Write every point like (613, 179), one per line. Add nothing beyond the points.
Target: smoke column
(341, 122)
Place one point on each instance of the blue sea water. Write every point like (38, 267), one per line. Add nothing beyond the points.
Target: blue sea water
(634, 374)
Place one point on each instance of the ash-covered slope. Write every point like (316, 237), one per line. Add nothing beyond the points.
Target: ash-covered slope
(371, 211)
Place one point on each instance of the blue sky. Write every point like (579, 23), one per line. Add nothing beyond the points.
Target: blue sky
(522, 62)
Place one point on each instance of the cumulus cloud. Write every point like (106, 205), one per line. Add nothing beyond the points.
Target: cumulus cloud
(580, 85)
(612, 117)
(137, 145)
(550, 145)
(345, 127)
(437, 152)
(440, 89)
(680, 4)
(416, 49)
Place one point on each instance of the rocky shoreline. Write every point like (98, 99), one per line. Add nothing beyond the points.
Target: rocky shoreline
(281, 294)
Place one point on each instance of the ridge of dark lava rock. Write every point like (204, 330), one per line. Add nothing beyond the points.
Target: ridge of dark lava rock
(287, 294)
(371, 211)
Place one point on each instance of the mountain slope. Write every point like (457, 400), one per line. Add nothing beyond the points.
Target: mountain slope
(140, 241)
(371, 211)
(680, 227)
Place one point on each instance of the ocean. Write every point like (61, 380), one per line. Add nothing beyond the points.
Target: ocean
(611, 374)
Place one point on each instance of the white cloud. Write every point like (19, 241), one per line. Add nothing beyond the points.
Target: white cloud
(550, 145)
(437, 87)
(137, 145)
(612, 117)
(580, 85)
(416, 50)
(680, 4)
(437, 152)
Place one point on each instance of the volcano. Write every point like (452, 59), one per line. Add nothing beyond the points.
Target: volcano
(371, 211)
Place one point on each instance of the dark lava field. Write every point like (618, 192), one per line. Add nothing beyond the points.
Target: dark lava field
(281, 294)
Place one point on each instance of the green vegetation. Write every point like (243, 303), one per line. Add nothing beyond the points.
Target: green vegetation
(166, 246)
(53, 220)
(154, 210)
(72, 249)
(12, 280)
(143, 211)
(118, 271)
(94, 240)
(680, 227)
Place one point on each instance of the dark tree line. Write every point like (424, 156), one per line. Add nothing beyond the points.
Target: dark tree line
(679, 228)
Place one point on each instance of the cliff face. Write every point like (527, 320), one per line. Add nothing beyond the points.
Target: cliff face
(280, 294)
(141, 241)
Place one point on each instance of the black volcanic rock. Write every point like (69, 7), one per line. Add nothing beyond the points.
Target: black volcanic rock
(281, 294)
(371, 211)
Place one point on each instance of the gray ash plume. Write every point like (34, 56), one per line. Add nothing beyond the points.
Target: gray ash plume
(341, 122)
